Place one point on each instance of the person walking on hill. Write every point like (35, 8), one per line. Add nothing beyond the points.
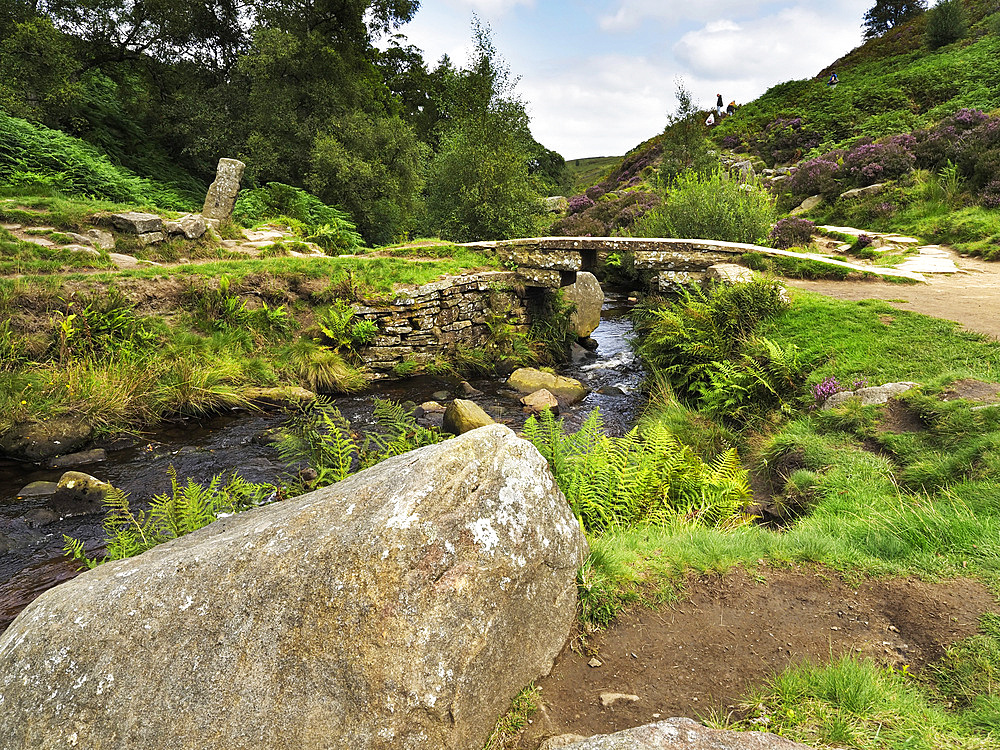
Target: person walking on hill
(719, 104)
(731, 109)
(833, 80)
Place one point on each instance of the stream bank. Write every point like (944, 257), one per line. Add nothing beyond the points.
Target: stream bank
(31, 531)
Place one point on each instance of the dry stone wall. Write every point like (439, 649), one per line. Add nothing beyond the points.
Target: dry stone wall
(440, 318)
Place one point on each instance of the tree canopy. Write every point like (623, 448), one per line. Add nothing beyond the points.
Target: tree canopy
(888, 13)
(297, 89)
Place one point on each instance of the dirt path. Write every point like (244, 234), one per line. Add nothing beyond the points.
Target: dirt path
(971, 297)
(734, 631)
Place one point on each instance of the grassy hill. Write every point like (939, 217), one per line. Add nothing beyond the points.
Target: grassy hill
(589, 171)
(892, 84)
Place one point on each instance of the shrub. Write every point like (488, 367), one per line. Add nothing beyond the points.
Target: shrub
(791, 232)
(786, 139)
(946, 23)
(35, 156)
(684, 340)
(712, 206)
(331, 228)
(580, 203)
(870, 163)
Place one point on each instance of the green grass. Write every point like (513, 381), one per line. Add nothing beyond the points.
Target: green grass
(868, 706)
(590, 171)
(18, 257)
(873, 340)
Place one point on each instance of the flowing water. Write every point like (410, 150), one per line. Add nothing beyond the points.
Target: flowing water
(31, 531)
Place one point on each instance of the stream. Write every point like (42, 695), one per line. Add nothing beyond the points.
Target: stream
(31, 531)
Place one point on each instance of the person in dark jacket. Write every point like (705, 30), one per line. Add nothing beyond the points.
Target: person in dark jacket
(719, 106)
(731, 109)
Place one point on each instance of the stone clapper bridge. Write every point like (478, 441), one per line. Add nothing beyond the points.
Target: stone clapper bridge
(553, 262)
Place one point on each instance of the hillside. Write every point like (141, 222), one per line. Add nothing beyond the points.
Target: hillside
(891, 84)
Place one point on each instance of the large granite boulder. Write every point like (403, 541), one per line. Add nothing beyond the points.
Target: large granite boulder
(528, 380)
(675, 734)
(401, 608)
(221, 197)
(588, 297)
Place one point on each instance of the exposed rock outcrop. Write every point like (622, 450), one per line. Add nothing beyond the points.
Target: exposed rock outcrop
(401, 608)
(674, 734)
(876, 394)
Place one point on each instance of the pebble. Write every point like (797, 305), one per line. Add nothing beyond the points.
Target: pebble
(595, 663)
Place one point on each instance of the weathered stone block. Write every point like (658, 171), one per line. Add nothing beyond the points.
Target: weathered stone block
(221, 197)
(133, 222)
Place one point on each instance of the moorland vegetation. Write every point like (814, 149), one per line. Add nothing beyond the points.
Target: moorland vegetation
(734, 434)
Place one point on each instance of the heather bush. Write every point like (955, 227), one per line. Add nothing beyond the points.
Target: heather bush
(990, 195)
(791, 232)
(869, 163)
(579, 203)
(578, 225)
(815, 177)
(595, 192)
(607, 217)
(785, 140)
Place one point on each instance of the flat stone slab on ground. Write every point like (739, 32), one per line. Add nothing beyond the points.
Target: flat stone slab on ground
(930, 259)
(40, 241)
(675, 734)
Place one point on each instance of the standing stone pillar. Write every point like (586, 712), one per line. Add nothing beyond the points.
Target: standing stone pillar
(222, 193)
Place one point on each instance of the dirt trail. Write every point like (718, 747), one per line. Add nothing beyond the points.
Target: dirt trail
(730, 632)
(971, 297)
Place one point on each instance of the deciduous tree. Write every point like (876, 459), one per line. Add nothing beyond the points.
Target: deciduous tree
(888, 13)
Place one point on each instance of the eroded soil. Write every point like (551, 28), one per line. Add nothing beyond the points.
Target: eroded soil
(730, 632)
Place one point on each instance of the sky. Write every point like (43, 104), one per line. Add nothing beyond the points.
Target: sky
(599, 76)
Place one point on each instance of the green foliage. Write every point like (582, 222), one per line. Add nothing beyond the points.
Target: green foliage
(713, 206)
(479, 185)
(328, 227)
(321, 437)
(886, 14)
(323, 370)
(340, 329)
(946, 23)
(101, 326)
(374, 167)
(188, 507)
(687, 340)
(764, 376)
(39, 158)
(969, 672)
(685, 143)
(861, 704)
(504, 734)
(647, 478)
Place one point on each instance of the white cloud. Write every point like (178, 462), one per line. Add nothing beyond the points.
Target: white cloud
(493, 8)
(632, 14)
(795, 43)
(618, 103)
